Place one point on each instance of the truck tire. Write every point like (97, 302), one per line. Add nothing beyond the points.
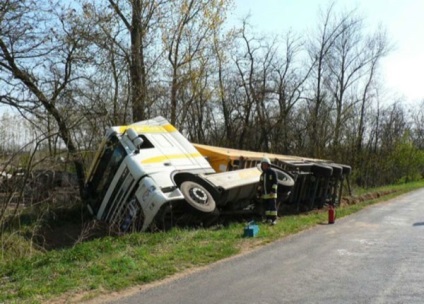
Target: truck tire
(322, 170)
(198, 197)
(346, 169)
(285, 181)
(337, 170)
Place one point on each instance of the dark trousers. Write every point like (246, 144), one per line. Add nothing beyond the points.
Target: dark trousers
(270, 209)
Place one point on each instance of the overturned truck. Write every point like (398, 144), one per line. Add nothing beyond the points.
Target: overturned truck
(147, 175)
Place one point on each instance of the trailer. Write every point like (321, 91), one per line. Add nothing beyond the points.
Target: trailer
(317, 182)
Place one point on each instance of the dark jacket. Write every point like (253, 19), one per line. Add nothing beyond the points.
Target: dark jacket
(268, 184)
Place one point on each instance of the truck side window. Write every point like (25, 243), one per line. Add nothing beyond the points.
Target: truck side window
(146, 143)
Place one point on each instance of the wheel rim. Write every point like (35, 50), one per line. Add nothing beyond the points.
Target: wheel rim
(198, 195)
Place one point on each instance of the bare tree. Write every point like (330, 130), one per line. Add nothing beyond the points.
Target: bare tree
(377, 162)
(186, 35)
(253, 60)
(352, 65)
(222, 48)
(143, 15)
(376, 48)
(39, 55)
(106, 95)
(418, 118)
(289, 80)
(320, 48)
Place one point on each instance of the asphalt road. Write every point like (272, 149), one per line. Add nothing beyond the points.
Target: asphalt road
(373, 256)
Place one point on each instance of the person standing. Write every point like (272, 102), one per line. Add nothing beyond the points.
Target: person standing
(267, 189)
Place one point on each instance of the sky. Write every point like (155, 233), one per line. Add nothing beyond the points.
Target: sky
(402, 70)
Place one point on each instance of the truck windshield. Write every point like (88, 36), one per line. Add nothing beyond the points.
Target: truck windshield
(109, 162)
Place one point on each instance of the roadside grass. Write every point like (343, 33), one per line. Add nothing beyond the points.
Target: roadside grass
(111, 264)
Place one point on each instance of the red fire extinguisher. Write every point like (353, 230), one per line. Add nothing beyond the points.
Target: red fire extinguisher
(331, 214)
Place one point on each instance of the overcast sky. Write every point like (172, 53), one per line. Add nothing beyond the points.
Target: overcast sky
(403, 69)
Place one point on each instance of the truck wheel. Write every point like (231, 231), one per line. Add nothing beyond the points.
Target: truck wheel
(337, 170)
(285, 181)
(198, 197)
(322, 170)
(346, 169)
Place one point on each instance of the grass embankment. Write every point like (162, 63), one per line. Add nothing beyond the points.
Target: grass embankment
(115, 263)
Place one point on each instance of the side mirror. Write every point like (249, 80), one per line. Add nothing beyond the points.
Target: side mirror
(135, 139)
(138, 142)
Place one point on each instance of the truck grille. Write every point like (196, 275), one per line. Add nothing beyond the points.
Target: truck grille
(119, 197)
